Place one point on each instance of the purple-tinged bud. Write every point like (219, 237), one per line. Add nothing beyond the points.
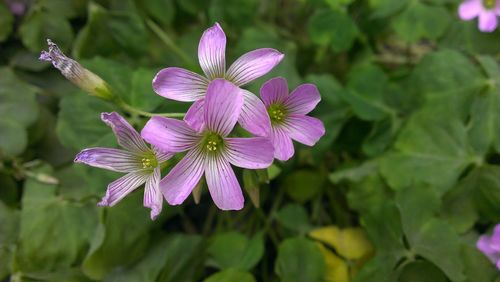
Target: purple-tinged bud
(76, 73)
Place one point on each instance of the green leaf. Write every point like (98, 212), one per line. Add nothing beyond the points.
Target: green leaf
(6, 22)
(294, 217)
(413, 272)
(385, 8)
(18, 110)
(417, 205)
(477, 266)
(332, 28)
(49, 215)
(429, 149)
(421, 21)
(42, 24)
(483, 184)
(330, 90)
(13, 139)
(303, 185)
(234, 250)
(239, 13)
(485, 109)
(115, 243)
(162, 11)
(107, 32)
(79, 124)
(171, 259)
(230, 275)
(299, 260)
(448, 81)
(9, 228)
(365, 92)
(465, 35)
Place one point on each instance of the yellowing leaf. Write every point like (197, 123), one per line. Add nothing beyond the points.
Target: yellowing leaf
(351, 243)
(336, 268)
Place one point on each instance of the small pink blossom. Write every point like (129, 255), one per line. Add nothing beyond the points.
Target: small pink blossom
(210, 151)
(141, 164)
(486, 10)
(288, 115)
(183, 85)
(490, 246)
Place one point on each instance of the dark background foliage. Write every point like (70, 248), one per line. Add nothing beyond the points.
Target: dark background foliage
(399, 189)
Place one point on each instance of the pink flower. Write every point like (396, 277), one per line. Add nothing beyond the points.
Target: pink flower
(183, 85)
(486, 10)
(490, 245)
(288, 115)
(141, 164)
(210, 150)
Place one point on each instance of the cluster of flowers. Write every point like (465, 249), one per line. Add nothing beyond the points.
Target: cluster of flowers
(486, 10)
(206, 131)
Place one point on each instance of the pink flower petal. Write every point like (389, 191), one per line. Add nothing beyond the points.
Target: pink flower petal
(152, 195)
(274, 91)
(110, 159)
(223, 104)
(253, 153)
(304, 129)
(303, 99)
(252, 65)
(180, 84)
(212, 52)
(488, 21)
(121, 187)
(169, 135)
(254, 116)
(195, 115)
(282, 143)
(126, 135)
(181, 180)
(470, 9)
(483, 244)
(223, 185)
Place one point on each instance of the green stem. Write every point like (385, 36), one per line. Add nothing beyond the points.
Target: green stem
(133, 110)
(169, 42)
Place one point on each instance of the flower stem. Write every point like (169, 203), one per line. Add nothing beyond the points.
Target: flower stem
(133, 110)
(169, 42)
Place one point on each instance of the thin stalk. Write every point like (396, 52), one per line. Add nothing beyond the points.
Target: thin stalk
(133, 110)
(169, 42)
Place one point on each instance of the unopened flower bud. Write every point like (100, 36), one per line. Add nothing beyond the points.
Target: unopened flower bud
(76, 73)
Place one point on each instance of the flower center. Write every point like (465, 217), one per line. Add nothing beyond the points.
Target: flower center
(489, 4)
(213, 142)
(277, 113)
(149, 162)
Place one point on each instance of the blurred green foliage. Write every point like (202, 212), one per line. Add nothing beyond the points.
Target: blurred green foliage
(399, 189)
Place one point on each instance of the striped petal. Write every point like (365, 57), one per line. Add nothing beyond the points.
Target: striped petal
(152, 195)
(252, 65)
(180, 84)
(252, 153)
(110, 159)
(169, 135)
(182, 179)
(223, 105)
(212, 52)
(195, 115)
(274, 91)
(121, 187)
(282, 143)
(223, 185)
(304, 129)
(254, 116)
(303, 99)
(126, 135)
